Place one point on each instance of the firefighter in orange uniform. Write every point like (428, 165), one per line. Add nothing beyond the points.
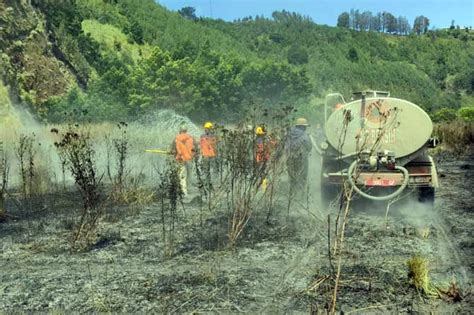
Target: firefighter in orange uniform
(262, 148)
(183, 148)
(208, 144)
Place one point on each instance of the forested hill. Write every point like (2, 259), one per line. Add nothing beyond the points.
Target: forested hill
(119, 59)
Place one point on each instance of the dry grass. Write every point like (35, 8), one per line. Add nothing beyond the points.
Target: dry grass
(133, 194)
(456, 136)
(452, 293)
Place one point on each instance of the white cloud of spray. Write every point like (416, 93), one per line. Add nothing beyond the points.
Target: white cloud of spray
(154, 131)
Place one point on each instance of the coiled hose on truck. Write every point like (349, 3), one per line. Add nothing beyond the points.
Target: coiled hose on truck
(396, 193)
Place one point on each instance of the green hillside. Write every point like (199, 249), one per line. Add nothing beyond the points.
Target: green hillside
(119, 59)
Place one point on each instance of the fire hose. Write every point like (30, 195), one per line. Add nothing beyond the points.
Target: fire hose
(396, 193)
(313, 142)
(157, 151)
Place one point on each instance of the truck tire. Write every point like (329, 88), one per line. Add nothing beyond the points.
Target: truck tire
(426, 195)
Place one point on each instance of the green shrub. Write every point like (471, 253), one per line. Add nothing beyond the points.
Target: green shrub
(466, 114)
(444, 115)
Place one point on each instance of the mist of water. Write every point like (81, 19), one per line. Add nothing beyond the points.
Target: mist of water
(154, 131)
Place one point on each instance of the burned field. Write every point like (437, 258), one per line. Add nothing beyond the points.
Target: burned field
(149, 257)
(164, 160)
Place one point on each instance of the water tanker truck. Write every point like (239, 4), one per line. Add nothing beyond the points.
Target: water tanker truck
(377, 145)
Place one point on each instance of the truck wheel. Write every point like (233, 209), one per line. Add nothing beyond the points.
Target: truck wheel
(426, 195)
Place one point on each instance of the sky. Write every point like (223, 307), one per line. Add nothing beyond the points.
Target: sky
(440, 12)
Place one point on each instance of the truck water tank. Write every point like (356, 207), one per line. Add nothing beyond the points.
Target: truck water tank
(386, 124)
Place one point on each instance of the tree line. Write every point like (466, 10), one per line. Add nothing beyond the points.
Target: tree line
(383, 22)
(152, 58)
(200, 66)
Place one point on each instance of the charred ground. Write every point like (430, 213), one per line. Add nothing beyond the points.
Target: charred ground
(278, 265)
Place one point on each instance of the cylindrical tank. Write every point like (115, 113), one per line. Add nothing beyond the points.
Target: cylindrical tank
(378, 124)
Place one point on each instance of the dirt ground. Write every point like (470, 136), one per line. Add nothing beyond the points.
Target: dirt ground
(277, 267)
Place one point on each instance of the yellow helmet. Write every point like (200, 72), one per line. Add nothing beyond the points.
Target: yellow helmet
(259, 131)
(208, 125)
(301, 122)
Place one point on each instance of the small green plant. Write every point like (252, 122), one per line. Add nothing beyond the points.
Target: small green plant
(418, 274)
